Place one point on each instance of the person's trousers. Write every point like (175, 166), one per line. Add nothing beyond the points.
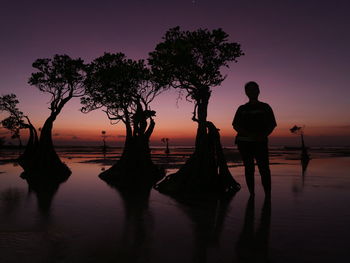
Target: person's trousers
(258, 151)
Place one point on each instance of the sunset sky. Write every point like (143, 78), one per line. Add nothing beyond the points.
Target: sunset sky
(297, 50)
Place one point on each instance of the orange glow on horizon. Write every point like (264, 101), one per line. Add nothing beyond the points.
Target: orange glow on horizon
(179, 135)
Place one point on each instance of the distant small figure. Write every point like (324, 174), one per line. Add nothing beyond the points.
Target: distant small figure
(166, 141)
(254, 122)
(305, 157)
(104, 136)
(300, 130)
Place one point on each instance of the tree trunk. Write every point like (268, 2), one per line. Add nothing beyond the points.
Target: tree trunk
(135, 167)
(40, 157)
(48, 160)
(27, 157)
(206, 171)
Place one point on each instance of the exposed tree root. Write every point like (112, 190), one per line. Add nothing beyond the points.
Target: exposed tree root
(205, 173)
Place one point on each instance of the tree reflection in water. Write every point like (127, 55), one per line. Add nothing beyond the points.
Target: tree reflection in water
(208, 216)
(138, 224)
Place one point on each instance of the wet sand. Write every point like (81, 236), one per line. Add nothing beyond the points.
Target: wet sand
(85, 220)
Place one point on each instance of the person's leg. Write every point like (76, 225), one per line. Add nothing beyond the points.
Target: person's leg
(262, 159)
(246, 151)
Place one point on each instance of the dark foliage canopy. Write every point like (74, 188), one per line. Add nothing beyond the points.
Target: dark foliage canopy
(15, 121)
(120, 86)
(191, 60)
(8, 102)
(61, 76)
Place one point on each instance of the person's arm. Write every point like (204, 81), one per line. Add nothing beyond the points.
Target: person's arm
(271, 121)
(236, 123)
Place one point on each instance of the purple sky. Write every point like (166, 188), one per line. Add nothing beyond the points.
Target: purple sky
(298, 51)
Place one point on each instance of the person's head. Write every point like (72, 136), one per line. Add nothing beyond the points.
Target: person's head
(252, 90)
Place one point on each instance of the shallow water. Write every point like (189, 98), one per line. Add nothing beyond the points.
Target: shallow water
(307, 219)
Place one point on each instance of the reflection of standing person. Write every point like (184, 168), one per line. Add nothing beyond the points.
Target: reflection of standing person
(253, 244)
(254, 122)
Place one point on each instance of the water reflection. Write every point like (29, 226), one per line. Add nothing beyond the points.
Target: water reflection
(208, 217)
(23, 236)
(44, 190)
(253, 246)
(304, 162)
(88, 222)
(11, 199)
(135, 245)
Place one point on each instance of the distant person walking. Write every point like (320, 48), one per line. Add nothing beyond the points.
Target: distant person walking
(254, 122)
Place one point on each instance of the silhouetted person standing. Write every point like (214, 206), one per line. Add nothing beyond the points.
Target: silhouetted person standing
(254, 122)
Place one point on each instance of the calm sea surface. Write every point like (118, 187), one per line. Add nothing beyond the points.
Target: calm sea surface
(85, 220)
